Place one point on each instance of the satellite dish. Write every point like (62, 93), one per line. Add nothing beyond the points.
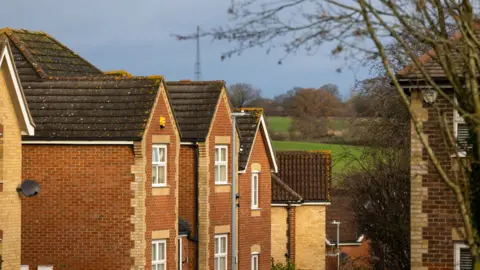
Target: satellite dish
(29, 188)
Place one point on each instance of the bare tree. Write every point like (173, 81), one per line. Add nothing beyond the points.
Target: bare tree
(364, 29)
(242, 93)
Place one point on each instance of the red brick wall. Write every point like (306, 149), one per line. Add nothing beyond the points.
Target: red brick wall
(440, 205)
(220, 203)
(255, 230)
(161, 210)
(186, 200)
(81, 218)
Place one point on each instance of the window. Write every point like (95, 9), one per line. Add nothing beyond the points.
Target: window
(159, 165)
(221, 252)
(24, 267)
(180, 253)
(45, 267)
(159, 255)
(463, 258)
(255, 261)
(221, 165)
(254, 190)
(461, 133)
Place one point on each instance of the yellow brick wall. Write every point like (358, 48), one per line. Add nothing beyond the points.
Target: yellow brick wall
(310, 237)
(10, 205)
(279, 233)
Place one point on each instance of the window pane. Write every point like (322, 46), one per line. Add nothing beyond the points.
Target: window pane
(161, 154)
(154, 267)
(161, 267)
(216, 263)
(154, 174)
(161, 253)
(161, 175)
(223, 173)
(216, 154)
(222, 263)
(223, 155)
(154, 154)
(216, 245)
(154, 252)
(224, 245)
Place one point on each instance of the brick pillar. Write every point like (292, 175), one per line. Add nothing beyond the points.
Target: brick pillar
(292, 236)
(139, 210)
(419, 219)
(204, 206)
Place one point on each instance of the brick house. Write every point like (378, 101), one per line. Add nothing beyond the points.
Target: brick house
(436, 223)
(15, 121)
(300, 196)
(92, 155)
(353, 245)
(202, 112)
(256, 164)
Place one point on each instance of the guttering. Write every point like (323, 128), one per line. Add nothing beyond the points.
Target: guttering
(79, 142)
(316, 203)
(289, 243)
(285, 204)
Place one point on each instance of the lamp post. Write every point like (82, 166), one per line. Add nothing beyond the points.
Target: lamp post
(234, 186)
(338, 242)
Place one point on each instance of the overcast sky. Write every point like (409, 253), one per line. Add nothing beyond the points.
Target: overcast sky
(135, 35)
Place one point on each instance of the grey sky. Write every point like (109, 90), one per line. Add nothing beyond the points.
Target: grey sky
(135, 35)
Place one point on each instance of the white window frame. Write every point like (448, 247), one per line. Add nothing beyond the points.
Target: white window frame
(220, 163)
(255, 195)
(457, 119)
(180, 253)
(254, 261)
(24, 267)
(45, 267)
(459, 246)
(158, 262)
(155, 165)
(220, 254)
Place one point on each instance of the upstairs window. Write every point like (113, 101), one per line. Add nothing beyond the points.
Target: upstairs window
(255, 261)
(254, 190)
(463, 258)
(159, 255)
(221, 169)
(221, 252)
(159, 165)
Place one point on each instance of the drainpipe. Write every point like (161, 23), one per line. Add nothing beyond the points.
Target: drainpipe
(197, 219)
(289, 248)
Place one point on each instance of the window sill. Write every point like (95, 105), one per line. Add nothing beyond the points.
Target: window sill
(256, 212)
(222, 188)
(160, 190)
(460, 155)
(222, 184)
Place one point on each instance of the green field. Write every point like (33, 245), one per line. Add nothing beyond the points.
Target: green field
(279, 123)
(283, 123)
(343, 156)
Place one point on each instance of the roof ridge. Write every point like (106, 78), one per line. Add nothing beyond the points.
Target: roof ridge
(189, 82)
(426, 57)
(101, 78)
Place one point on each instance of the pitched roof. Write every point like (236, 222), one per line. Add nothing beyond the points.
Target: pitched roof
(307, 172)
(248, 128)
(282, 192)
(70, 99)
(340, 210)
(430, 63)
(46, 56)
(193, 104)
